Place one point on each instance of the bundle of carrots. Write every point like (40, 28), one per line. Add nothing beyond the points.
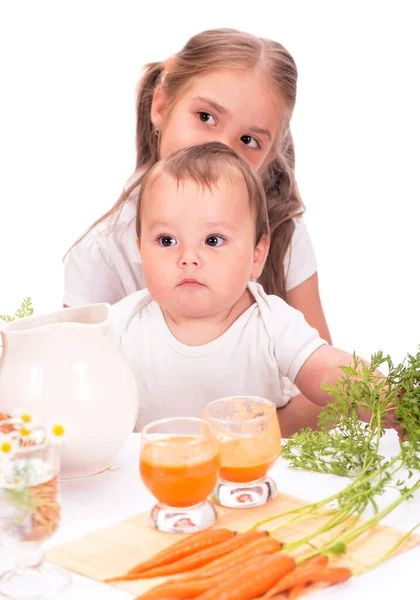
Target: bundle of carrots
(221, 564)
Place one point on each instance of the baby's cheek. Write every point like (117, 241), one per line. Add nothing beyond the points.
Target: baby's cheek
(235, 281)
(153, 274)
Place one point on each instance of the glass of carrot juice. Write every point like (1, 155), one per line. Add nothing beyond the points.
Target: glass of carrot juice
(249, 439)
(179, 465)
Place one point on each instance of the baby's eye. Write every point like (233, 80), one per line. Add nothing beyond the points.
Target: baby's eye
(250, 141)
(206, 117)
(166, 241)
(215, 240)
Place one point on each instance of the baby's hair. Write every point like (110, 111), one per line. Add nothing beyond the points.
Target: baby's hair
(206, 164)
(230, 49)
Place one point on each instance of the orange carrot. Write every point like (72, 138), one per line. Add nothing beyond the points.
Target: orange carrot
(250, 582)
(320, 561)
(324, 574)
(195, 560)
(185, 547)
(185, 589)
(259, 547)
(296, 591)
(194, 587)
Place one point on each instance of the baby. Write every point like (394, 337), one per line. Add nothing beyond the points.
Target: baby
(204, 329)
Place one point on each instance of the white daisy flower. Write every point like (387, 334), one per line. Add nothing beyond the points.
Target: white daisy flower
(8, 446)
(25, 416)
(55, 431)
(25, 432)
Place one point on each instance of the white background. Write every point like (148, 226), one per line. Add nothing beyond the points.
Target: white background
(68, 77)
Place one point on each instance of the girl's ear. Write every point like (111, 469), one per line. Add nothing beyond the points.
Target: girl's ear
(158, 108)
(260, 256)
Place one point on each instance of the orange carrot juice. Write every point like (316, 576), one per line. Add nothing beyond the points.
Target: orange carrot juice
(179, 475)
(246, 473)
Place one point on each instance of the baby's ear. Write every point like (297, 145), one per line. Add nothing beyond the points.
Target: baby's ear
(138, 244)
(260, 256)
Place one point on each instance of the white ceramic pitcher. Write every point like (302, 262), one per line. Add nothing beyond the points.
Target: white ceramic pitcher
(65, 367)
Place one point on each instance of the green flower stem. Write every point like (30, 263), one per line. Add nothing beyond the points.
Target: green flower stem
(342, 516)
(301, 518)
(346, 540)
(361, 480)
(383, 513)
(339, 518)
(334, 540)
(389, 553)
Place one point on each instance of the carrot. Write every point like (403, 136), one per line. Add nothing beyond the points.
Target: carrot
(250, 582)
(295, 591)
(195, 560)
(185, 547)
(209, 575)
(324, 574)
(320, 560)
(259, 547)
(5, 428)
(194, 587)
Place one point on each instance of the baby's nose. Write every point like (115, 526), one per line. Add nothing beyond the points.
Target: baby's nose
(189, 257)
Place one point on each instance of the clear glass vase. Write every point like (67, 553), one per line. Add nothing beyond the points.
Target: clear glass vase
(29, 510)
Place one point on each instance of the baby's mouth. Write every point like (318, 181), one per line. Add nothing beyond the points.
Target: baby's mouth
(190, 282)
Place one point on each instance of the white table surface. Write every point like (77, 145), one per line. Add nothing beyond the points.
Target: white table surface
(96, 502)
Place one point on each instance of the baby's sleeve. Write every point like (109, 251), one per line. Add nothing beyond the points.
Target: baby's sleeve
(88, 276)
(294, 339)
(300, 260)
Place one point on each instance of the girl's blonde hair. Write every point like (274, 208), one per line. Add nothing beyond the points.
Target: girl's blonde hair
(231, 49)
(206, 165)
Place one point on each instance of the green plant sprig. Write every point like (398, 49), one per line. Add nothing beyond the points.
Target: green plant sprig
(348, 447)
(25, 310)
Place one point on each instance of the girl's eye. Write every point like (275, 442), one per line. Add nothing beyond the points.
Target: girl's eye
(166, 241)
(206, 117)
(215, 240)
(250, 141)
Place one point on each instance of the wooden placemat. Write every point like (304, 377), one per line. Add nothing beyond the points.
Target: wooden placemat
(117, 548)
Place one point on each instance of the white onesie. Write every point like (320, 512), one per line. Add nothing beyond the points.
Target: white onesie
(260, 354)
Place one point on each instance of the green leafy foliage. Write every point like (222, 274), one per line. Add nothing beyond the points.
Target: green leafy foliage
(25, 310)
(349, 447)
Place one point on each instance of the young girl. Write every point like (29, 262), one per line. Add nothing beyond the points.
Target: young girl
(227, 86)
(232, 87)
(202, 329)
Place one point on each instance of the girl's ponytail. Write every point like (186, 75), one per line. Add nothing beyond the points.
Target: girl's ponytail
(283, 203)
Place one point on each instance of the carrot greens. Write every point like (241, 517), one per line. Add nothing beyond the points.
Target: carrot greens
(349, 447)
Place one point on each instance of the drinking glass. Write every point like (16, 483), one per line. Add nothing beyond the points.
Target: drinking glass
(29, 510)
(249, 439)
(179, 465)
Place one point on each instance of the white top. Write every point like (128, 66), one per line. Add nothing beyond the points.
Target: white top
(268, 343)
(106, 266)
